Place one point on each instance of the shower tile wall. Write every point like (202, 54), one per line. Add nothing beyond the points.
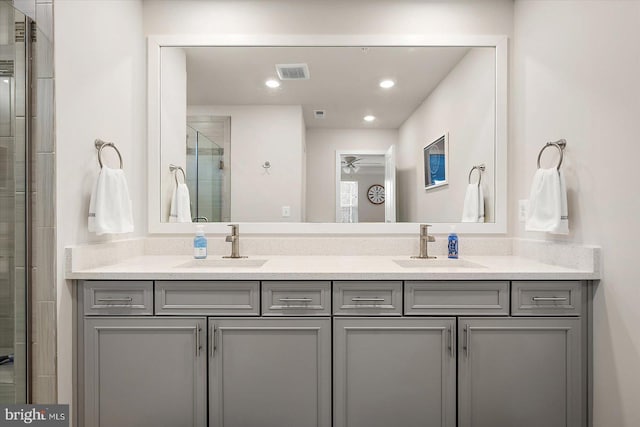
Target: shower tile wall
(44, 221)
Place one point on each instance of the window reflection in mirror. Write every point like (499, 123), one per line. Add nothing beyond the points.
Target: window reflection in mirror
(297, 125)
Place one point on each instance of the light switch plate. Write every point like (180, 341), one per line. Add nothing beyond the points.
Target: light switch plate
(523, 207)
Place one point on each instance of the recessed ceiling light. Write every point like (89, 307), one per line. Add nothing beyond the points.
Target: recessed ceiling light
(369, 118)
(272, 83)
(387, 84)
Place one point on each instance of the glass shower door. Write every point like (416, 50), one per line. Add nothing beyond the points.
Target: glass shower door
(208, 173)
(13, 202)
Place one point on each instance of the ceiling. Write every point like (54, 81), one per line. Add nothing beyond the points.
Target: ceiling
(344, 81)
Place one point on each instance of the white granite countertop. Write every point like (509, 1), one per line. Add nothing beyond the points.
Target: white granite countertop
(327, 267)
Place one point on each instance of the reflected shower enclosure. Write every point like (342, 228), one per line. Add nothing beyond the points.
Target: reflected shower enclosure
(208, 174)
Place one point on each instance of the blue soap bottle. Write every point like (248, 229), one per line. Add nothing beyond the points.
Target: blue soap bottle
(200, 243)
(453, 244)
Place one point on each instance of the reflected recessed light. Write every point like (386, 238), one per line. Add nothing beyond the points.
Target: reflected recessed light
(5, 81)
(386, 84)
(369, 118)
(272, 83)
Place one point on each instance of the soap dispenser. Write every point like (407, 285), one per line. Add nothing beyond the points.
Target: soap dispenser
(200, 243)
(453, 244)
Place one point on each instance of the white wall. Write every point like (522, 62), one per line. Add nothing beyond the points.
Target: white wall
(100, 93)
(258, 134)
(463, 104)
(321, 169)
(173, 128)
(329, 17)
(575, 76)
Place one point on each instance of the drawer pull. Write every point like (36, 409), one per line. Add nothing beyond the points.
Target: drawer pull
(110, 300)
(467, 340)
(362, 299)
(549, 298)
(197, 330)
(213, 339)
(295, 300)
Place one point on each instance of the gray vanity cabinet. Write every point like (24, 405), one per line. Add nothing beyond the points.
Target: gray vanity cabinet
(394, 371)
(524, 372)
(270, 372)
(145, 372)
(333, 354)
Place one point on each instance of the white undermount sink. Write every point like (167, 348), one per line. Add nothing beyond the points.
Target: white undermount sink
(436, 263)
(224, 263)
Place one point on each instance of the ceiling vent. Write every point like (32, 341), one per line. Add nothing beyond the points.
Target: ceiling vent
(293, 71)
(319, 114)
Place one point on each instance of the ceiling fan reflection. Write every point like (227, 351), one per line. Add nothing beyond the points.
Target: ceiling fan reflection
(349, 164)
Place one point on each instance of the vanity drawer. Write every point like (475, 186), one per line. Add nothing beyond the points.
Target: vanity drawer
(548, 298)
(456, 298)
(102, 297)
(200, 298)
(367, 298)
(296, 298)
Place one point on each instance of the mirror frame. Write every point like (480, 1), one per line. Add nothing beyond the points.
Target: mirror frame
(156, 42)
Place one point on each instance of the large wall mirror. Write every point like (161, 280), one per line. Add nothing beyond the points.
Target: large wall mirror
(325, 134)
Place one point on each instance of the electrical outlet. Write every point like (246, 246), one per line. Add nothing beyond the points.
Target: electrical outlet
(523, 207)
(286, 211)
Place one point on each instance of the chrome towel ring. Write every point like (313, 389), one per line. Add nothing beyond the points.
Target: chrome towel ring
(560, 145)
(480, 169)
(175, 168)
(100, 145)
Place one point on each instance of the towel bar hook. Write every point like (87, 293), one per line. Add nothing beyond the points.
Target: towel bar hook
(100, 145)
(560, 145)
(175, 168)
(480, 168)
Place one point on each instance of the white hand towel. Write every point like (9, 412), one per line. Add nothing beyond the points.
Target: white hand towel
(110, 209)
(548, 203)
(473, 209)
(180, 204)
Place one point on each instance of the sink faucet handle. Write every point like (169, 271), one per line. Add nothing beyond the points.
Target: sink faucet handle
(424, 232)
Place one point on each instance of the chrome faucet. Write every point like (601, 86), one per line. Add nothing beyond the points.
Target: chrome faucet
(425, 238)
(234, 238)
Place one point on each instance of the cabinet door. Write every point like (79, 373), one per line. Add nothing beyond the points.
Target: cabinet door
(270, 372)
(145, 372)
(394, 372)
(520, 372)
